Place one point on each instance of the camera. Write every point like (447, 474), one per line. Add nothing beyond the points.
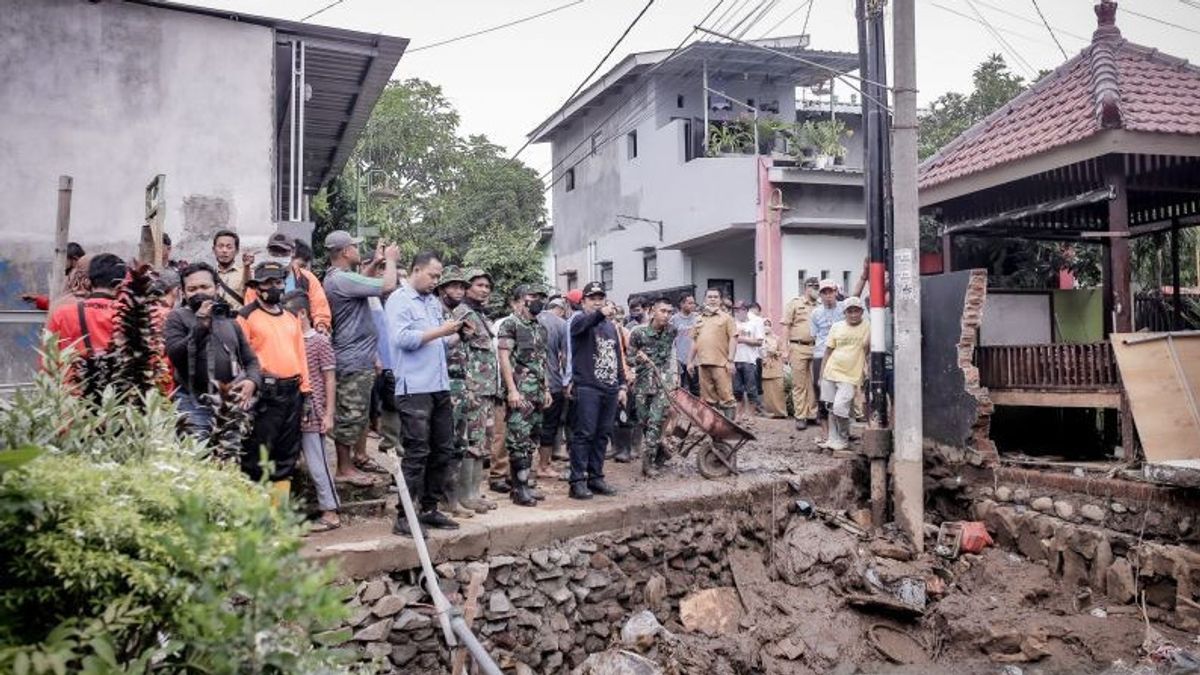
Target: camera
(222, 309)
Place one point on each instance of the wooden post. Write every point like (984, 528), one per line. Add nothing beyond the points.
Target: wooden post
(947, 254)
(1118, 225)
(1176, 296)
(62, 235)
(150, 249)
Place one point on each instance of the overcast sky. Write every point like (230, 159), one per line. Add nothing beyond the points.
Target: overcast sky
(506, 82)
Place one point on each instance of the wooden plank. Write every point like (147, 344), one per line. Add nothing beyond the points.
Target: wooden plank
(1040, 398)
(1159, 392)
(62, 235)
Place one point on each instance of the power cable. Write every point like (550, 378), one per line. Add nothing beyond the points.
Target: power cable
(531, 17)
(1049, 29)
(1004, 44)
(331, 5)
(972, 19)
(594, 70)
(1030, 20)
(794, 12)
(1159, 21)
(807, 15)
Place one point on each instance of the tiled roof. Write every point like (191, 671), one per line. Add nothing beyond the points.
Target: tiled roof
(1111, 84)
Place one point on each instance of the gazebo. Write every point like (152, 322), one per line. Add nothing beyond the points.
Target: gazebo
(1104, 149)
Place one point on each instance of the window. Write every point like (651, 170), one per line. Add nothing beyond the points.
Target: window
(606, 276)
(824, 275)
(723, 285)
(679, 101)
(803, 278)
(846, 282)
(750, 102)
(570, 179)
(572, 280)
(631, 144)
(650, 266)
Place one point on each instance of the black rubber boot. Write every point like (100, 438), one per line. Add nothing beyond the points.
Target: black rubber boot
(521, 494)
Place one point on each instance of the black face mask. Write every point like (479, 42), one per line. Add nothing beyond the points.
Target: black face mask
(194, 301)
(272, 295)
(535, 307)
(450, 302)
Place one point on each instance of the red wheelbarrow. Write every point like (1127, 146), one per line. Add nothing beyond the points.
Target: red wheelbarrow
(698, 422)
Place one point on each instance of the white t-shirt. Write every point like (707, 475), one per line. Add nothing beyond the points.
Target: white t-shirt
(750, 328)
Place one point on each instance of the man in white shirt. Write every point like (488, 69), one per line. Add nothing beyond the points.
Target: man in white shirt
(750, 335)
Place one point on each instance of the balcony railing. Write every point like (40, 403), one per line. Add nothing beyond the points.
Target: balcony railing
(1052, 367)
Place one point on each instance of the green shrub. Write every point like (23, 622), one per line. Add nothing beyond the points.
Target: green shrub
(127, 552)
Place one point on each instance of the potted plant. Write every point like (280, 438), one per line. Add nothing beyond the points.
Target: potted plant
(826, 138)
(728, 138)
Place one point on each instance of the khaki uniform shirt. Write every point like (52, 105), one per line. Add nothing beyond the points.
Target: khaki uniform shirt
(796, 320)
(232, 278)
(712, 334)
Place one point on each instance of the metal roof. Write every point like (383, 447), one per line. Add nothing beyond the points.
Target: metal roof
(724, 60)
(347, 71)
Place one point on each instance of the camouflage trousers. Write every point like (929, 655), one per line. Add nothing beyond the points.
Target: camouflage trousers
(472, 419)
(652, 412)
(524, 434)
(353, 406)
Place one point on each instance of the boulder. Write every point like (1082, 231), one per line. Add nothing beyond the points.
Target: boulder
(618, 662)
(1119, 584)
(388, 605)
(1043, 504)
(1064, 509)
(372, 591)
(1092, 512)
(376, 632)
(713, 611)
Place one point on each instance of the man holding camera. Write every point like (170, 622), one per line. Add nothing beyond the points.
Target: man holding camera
(207, 347)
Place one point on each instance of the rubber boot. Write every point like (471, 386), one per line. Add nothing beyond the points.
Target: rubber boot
(838, 428)
(280, 491)
(454, 506)
(519, 473)
(729, 411)
(621, 439)
(468, 485)
(559, 453)
(650, 462)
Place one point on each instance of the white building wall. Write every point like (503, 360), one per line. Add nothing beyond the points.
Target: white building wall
(732, 260)
(839, 254)
(113, 93)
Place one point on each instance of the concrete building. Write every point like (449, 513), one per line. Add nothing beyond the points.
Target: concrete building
(646, 202)
(245, 116)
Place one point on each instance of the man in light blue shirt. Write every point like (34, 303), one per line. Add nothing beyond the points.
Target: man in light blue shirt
(828, 312)
(417, 332)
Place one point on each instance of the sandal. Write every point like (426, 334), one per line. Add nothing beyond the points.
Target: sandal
(369, 465)
(321, 525)
(361, 480)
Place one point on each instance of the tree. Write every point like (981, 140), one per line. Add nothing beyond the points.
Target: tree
(460, 197)
(953, 113)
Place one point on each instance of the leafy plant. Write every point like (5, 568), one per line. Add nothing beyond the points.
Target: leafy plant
(731, 137)
(826, 136)
(126, 552)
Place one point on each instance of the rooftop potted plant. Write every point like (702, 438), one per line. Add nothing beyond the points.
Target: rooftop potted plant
(729, 138)
(826, 138)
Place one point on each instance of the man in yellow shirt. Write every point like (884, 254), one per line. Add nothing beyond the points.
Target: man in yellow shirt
(842, 371)
(801, 341)
(714, 340)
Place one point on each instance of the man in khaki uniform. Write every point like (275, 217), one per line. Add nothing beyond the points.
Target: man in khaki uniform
(800, 355)
(714, 339)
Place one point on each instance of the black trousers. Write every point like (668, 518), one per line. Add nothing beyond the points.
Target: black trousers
(552, 418)
(427, 433)
(689, 380)
(276, 428)
(591, 427)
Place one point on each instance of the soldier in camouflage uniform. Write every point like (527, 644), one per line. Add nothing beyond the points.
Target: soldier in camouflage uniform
(451, 289)
(652, 353)
(522, 352)
(473, 409)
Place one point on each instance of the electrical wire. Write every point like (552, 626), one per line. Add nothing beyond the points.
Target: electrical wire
(1159, 21)
(794, 12)
(331, 5)
(594, 70)
(1030, 20)
(1004, 44)
(531, 17)
(807, 15)
(972, 19)
(1049, 29)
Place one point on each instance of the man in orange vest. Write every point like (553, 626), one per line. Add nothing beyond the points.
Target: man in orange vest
(87, 324)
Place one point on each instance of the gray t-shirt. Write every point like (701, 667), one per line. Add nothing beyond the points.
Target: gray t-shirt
(683, 335)
(556, 347)
(354, 336)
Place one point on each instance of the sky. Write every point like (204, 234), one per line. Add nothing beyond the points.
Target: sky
(506, 82)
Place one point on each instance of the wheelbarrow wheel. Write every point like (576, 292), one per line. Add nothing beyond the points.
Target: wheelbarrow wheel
(709, 462)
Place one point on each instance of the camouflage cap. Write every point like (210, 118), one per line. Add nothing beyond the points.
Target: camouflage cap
(474, 273)
(452, 275)
(523, 290)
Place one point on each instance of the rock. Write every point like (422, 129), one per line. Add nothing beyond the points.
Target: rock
(1043, 504)
(640, 631)
(713, 611)
(373, 591)
(333, 638)
(522, 669)
(789, 648)
(359, 616)
(388, 605)
(411, 620)
(402, 654)
(376, 632)
(643, 549)
(541, 558)
(1118, 507)
(1185, 525)
(1092, 512)
(893, 550)
(1004, 494)
(1020, 495)
(501, 561)
(560, 595)
(1101, 562)
(618, 662)
(1119, 581)
(499, 605)
(596, 579)
(601, 561)
(379, 650)
(655, 591)
(552, 663)
(559, 622)
(1064, 510)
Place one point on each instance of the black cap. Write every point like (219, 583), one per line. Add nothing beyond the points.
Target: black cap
(268, 270)
(282, 242)
(594, 288)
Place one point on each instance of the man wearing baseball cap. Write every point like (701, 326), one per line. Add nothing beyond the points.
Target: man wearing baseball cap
(355, 343)
(277, 338)
(843, 369)
(281, 249)
(598, 382)
(829, 311)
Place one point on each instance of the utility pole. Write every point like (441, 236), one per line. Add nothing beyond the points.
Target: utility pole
(907, 468)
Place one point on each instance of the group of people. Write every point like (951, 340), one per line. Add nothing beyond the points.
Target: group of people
(468, 400)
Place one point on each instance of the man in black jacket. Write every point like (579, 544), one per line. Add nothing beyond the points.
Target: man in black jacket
(206, 346)
(598, 385)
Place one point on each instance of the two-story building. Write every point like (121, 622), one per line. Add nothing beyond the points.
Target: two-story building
(661, 183)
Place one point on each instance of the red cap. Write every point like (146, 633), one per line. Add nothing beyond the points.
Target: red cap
(575, 296)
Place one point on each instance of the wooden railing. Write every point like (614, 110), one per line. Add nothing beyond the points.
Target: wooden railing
(1050, 367)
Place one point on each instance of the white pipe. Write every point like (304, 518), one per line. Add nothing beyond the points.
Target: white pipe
(292, 137)
(704, 102)
(301, 94)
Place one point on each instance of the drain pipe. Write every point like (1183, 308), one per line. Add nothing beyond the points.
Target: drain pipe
(449, 616)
